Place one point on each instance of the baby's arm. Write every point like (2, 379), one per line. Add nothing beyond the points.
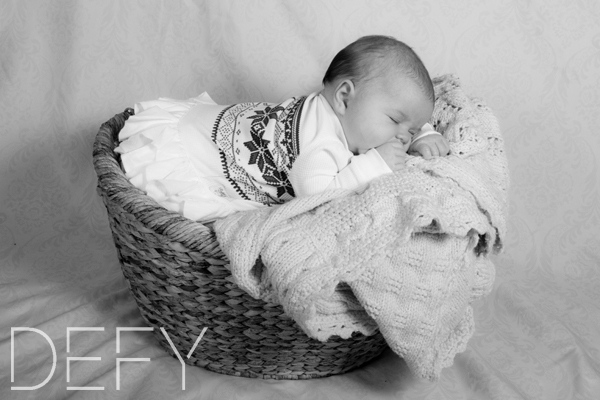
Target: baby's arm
(317, 171)
(429, 143)
(363, 168)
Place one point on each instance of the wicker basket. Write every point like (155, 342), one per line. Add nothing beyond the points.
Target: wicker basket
(181, 282)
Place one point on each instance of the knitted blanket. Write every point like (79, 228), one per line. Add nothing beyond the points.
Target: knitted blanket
(406, 255)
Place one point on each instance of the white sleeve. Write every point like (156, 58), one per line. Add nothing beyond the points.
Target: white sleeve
(426, 130)
(362, 169)
(317, 171)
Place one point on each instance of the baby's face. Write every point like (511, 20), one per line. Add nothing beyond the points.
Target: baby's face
(386, 108)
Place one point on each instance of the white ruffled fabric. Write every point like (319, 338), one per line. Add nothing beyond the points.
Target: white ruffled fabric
(154, 153)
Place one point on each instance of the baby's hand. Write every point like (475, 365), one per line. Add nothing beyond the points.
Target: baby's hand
(430, 146)
(393, 153)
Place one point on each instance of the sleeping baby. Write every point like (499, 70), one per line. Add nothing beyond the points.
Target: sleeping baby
(206, 161)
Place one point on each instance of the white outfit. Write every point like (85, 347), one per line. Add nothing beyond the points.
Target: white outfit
(206, 161)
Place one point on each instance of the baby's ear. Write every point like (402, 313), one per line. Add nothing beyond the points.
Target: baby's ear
(343, 93)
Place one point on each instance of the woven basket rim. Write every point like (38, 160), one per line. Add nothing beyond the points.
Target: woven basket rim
(113, 181)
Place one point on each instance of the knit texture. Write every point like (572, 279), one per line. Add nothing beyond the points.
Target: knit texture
(406, 255)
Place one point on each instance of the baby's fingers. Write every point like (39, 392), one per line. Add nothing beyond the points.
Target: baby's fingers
(425, 151)
(437, 149)
(443, 148)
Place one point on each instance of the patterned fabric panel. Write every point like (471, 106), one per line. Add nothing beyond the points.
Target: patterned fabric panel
(258, 143)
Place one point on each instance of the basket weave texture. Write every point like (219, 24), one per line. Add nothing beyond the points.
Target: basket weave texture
(181, 282)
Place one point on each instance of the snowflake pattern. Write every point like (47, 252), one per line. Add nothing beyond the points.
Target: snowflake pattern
(258, 143)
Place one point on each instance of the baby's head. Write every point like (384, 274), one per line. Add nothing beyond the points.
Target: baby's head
(380, 90)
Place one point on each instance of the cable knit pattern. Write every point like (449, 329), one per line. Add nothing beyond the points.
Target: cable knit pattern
(407, 255)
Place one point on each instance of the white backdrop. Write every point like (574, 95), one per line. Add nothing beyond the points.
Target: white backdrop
(67, 66)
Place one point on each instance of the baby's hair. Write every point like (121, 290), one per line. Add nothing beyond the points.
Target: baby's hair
(372, 56)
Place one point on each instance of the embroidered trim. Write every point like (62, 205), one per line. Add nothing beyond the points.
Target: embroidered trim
(223, 157)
